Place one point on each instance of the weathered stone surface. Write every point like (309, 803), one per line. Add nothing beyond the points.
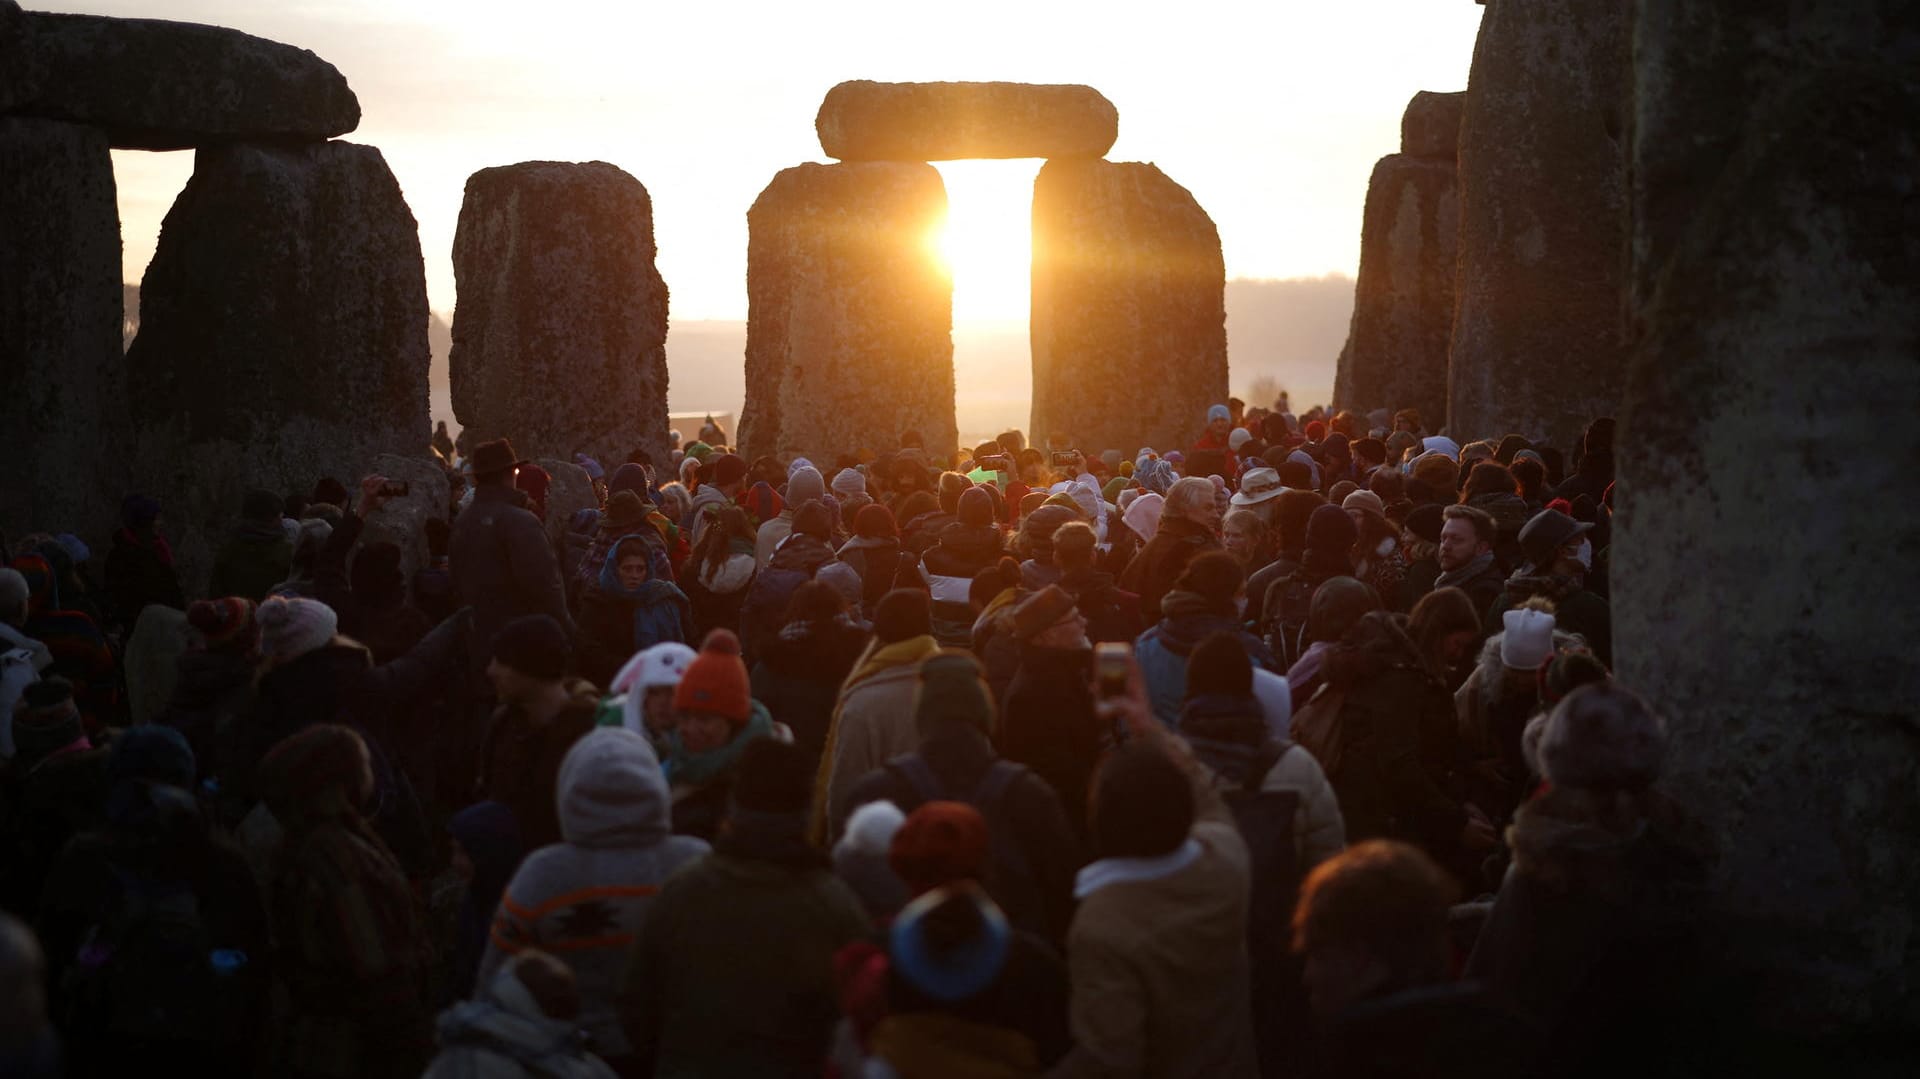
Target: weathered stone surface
(159, 85)
(61, 392)
(559, 338)
(283, 332)
(20, 68)
(569, 492)
(1396, 351)
(403, 521)
(942, 121)
(1129, 309)
(1765, 566)
(1431, 125)
(1537, 327)
(850, 314)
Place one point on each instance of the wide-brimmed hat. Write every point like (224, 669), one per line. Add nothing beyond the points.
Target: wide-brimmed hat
(1257, 486)
(1549, 531)
(494, 457)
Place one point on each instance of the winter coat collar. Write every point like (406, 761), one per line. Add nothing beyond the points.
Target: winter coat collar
(1111, 871)
(1453, 578)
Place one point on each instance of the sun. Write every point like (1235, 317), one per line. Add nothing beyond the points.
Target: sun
(987, 242)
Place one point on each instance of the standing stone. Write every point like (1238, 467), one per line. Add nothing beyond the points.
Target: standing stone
(1537, 345)
(1765, 569)
(849, 312)
(944, 121)
(159, 85)
(1129, 309)
(1396, 351)
(283, 333)
(20, 67)
(62, 413)
(559, 337)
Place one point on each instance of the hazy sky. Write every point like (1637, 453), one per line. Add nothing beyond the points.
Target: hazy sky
(1271, 112)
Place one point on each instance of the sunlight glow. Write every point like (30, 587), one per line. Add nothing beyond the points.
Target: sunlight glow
(988, 241)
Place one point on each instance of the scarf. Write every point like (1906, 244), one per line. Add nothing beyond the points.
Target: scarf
(1455, 577)
(1130, 870)
(693, 769)
(877, 659)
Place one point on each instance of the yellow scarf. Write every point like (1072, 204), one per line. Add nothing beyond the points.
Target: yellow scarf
(876, 659)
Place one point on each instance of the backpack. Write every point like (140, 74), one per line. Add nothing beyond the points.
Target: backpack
(1317, 728)
(1009, 875)
(148, 970)
(1289, 600)
(1265, 822)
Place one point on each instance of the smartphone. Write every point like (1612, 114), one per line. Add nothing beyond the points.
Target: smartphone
(994, 462)
(395, 489)
(1110, 668)
(1065, 458)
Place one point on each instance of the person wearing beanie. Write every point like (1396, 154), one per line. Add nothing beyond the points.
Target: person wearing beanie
(153, 840)
(1219, 428)
(1600, 929)
(807, 547)
(1560, 557)
(873, 720)
(529, 1011)
(1112, 613)
(616, 849)
(718, 577)
(1169, 867)
(57, 617)
(1378, 557)
(1504, 690)
(1048, 721)
(1286, 588)
(798, 673)
(733, 970)
(503, 563)
(541, 714)
(722, 477)
(964, 993)
(291, 628)
(1035, 849)
(717, 719)
(860, 859)
(972, 543)
(875, 554)
(1420, 535)
(139, 569)
(1203, 601)
(1034, 543)
(804, 485)
(58, 780)
(213, 678)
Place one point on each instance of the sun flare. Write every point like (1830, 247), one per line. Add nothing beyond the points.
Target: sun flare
(987, 244)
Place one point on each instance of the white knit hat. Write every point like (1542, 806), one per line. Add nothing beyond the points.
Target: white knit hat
(1528, 640)
(1240, 437)
(848, 481)
(290, 628)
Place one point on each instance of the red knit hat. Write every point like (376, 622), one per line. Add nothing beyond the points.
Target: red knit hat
(225, 623)
(716, 680)
(940, 843)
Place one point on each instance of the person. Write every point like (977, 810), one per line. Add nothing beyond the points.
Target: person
(1445, 626)
(370, 598)
(585, 898)
(1035, 848)
(1420, 541)
(29, 1048)
(1218, 430)
(642, 693)
(626, 515)
(970, 544)
(1393, 753)
(1291, 513)
(1034, 543)
(716, 720)
(1202, 602)
(1288, 603)
(139, 568)
(627, 610)
(541, 714)
(1243, 534)
(721, 480)
(1048, 722)
(1597, 933)
(1502, 693)
(1491, 487)
(522, 1023)
(804, 485)
(873, 721)
(502, 565)
(860, 859)
(214, 681)
(22, 658)
(55, 788)
(1378, 559)
(1186, 528)
(1371, 925)
(1559, 557)
(1338, 603)
(1112, 613)
(720, 574)
(136, 1006)
(875, 554)
(485, 852)
(80, 651)
(798, 559)
(258, 555)
(732, 972)
(1467, 557)
(346, 937)
(1171, 868)
(798, 673)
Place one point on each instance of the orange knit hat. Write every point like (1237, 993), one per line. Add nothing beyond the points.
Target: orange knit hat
(716, 680)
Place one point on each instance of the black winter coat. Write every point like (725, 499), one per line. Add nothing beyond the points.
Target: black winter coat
(503, 567)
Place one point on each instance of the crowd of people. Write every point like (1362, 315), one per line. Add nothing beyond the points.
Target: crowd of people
(1293, 751)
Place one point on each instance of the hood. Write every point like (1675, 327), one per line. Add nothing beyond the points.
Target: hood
(731, 576)
(507, 1021)
(611, 791)
(1378, 642)
(1035, 575)
(970, 541)
(42, 656)
(802, 552)
(489, 834)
